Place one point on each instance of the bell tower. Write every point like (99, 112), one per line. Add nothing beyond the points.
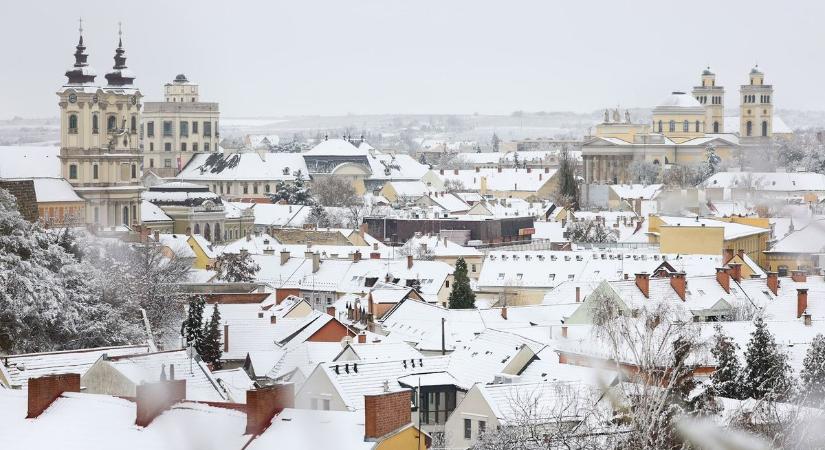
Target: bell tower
(755, 108)
(712, 97)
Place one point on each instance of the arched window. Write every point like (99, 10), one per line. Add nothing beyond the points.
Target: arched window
(133, 126)
(660, 126)
(111, 123)
(764, 128)
(697, 126)
(715, 127)
(672, 127)
(197, 228)
(95, 125)
(125, 215)
(686, 126)
(207, 233)
(217, 232)
(73, 123)
(134, 171)
(656, 162)
(749, 128)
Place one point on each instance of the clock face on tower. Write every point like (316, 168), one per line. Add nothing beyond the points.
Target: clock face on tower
(72, 98)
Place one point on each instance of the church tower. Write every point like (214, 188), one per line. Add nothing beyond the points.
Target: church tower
(99, 151)
(712, 97)
(755, 108)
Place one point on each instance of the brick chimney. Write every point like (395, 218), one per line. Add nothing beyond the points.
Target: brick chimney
(362, 338)
(679, 284)
(284, 256)
(363, 229)
(409, 261)
(546, 170)
(154, 398)
(273, 319)
(331, 311)
(727, 255)
(45, 390)
(499, 169)
(773, 282)
(741, 254)
(455, 171)
(643, 283)
(356, 256)
(529, 170)
(564, 331)
(801, 301)
(723, 277)
(385, 413)
(578, 294)
(799, 276)
(504, 312)
(264, 403)
(375, 255)
(736, 272)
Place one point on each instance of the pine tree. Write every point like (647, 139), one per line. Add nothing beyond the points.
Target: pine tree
(192, 327)
(461, 297)
(727, 378)
(813, 372)
(495, 142)
(318, 216)
(210, 349)
(767, 373)
(567, 188)
(236, 267)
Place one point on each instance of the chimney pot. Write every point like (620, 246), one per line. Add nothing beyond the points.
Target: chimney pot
(273, 319)
(807, 319)
(578, 294)
(801, 301)
(799, 276)
(284, 256)
(679, 284)
(727, 255)
(723, 278)
(504, 312)
(736, 271)
(643, 283)
(773, 282)
(409, 261)
(362, 338)
(356, 256)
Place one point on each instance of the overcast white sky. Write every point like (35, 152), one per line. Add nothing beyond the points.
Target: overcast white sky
(269, 58)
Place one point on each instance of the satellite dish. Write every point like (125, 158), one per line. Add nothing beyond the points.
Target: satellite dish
(346, 340)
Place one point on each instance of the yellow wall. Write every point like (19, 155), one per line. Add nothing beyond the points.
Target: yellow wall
(691, 240)
(623, 131)
(679, 135)
(201, 260)
(790, 260)
(407, 439)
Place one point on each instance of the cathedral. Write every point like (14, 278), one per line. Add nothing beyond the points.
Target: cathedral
(681, 129)
(99, 149)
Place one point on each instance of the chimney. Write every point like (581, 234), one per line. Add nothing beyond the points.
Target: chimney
(741, 253)
(45, 390)
(578, 294)
(331, 311)
(441, 172)
(799, 276)
(273, 319)
(801, 301)
(679, 284)
(529, 170)
(736, 272)
(225, 338)
(385, 413)
(504, 312)
(356, 256)
(264, 403)
(375, 246)
(154, 398)
(564, 331)
(316, 262)
(540, 177)
(727, 255)
(478, 169)
(157, 236)
(773, 282)
(375, 255)
(723, 277)
(546, 170)
(363, 229)
(284, 256)
(409, 262)
(499, 169)
(643, 283)
(806, 318)
(362, 338)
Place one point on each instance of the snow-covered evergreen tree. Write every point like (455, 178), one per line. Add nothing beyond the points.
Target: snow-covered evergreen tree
(767, 373)
(462, 296)
(236, 267)
(192, 327)
(727, 378)
(318, 216)
(813, 373)
(294, 193)
(495, 142)
(210, 349)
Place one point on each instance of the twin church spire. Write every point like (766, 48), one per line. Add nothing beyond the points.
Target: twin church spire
(81, 73)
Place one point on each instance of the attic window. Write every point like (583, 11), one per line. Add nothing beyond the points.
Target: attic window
(551, 276)
(519, 276)
(571, 276)
(501, 276)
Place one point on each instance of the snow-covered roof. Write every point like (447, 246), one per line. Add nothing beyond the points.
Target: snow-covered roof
(305, 355)
(54, 190)
(247, 166)
(235, 382)
(702, 293)
(151, 213)
(634, 191)
(508, 179)
(29, 162)
(188, 198)
(768, 181)
(808, 239)
(783, 307)
(32, 365)
(255, 244)
(277, 215)
(386, 166)
(549, 231)
(375, 351)
(431, 243)
(335, 147)
(679, 103)
(178, 244)
(314, 429)
(410, 188)
(487, 355)
(548, 401)
(449, 202)
(732, 230)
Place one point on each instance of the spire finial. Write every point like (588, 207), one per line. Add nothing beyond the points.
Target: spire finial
(119, 34)
(80, 23)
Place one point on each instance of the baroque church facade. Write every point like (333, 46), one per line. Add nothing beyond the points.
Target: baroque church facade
(99, 146)
(682, 128)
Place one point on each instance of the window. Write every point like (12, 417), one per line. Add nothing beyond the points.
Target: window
(266, 188)
(207, 129)
(167, 163)
(72, 123)
(167, 128)
(764, 128)
(447, 283)
(468, 429)
(73, 171)
(184, 129)
(94, 171)
(195, 146)
(255, 188)
(134, 171)
(672, 127)
(150, 129)
(95, 125)
(167, 147)
(151, 146)
(245, 188)
(325, 404)
(133, 125)
(473, 267)
(749, 128)
(686, 126)
(183, 146)
(111, 124)
(660, 126)
(206, 146)
(715, 127)
(151, 162)
(194, 127)
(697, 126)
(482, 427)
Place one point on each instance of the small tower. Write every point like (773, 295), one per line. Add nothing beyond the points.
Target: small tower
(712, 97)
(181, 90)
(755, 107)
(80, 73)
(120, 75)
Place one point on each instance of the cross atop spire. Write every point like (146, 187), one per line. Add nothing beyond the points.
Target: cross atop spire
(119, 34)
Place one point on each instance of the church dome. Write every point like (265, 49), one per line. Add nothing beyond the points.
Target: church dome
(755, 71)
(707, 72)
(679, 103)
(181, 78)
